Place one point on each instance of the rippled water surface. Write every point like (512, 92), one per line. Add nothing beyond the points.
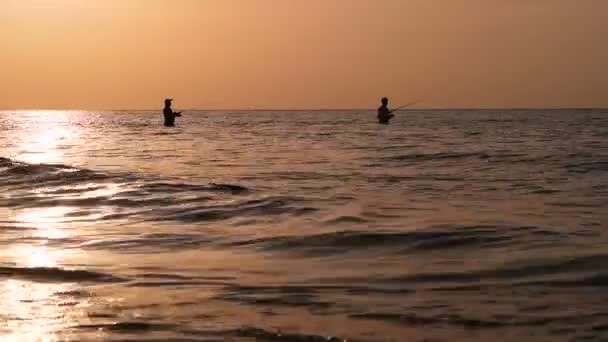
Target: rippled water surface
(304, 226)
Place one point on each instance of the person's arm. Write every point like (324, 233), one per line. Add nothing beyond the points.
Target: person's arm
(177, 113)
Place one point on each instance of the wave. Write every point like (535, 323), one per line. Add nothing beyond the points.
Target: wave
(15, 173)
(165, 242)
(346, 220)
(437, 156)
(429, 239)
(248, 208)
(464, 321)
(51, 274)
(587, 167)
(522, 275)
(133, 327)
(53, 185)
(264, 335)
(130, 197)
(166, 187)
(127, 327)
(18, 174)
(5, 162)
(414, 319)
(592, 280)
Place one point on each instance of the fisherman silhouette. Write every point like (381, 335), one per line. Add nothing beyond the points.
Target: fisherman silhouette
(169, 114)
(384, 114)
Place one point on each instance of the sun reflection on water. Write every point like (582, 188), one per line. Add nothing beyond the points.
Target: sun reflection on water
(30, 319)
(35, 311)
(34, 306)
(47, 222)
(46, 136)
(31, 308)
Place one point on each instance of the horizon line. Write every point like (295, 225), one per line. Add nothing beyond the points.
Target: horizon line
(310, 109)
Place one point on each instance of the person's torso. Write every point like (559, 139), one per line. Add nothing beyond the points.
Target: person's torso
(383, 111)
(169, 116)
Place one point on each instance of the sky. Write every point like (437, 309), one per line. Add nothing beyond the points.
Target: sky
(291, 54)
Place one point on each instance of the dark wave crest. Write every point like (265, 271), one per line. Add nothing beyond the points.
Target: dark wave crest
(437, 156)
(20, 175)
(55, 185)
(429, 239)
(52, 274)
(262, 207)
(265, 335)
(581, 271)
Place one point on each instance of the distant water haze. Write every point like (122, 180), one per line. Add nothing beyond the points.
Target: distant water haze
(101, 54)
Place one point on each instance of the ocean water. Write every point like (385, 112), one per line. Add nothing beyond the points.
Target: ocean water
(452, 225)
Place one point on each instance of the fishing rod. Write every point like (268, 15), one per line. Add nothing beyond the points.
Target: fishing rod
(405, 106)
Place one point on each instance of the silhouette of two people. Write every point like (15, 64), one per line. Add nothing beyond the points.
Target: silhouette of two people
(169, 114)
(384, 114)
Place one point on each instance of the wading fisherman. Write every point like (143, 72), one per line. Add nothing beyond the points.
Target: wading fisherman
(384, 114)
(169, 114)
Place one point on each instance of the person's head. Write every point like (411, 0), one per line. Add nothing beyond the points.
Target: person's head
(168, 102)
(385, 101)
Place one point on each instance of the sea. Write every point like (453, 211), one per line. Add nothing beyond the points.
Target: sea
(305, 226)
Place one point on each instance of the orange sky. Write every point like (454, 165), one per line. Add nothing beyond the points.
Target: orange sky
(120, 54)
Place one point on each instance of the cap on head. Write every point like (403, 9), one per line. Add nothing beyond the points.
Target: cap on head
(168, 101)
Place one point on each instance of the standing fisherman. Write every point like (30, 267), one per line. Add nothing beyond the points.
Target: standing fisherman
(384, 114)
(169, 114)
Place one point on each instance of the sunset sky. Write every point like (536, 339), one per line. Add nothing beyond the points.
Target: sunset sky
(131, 54)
